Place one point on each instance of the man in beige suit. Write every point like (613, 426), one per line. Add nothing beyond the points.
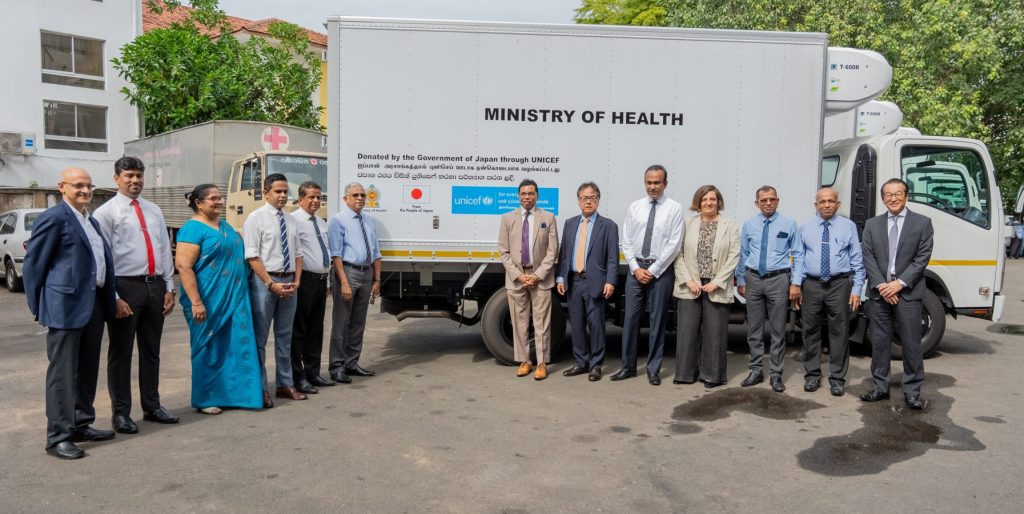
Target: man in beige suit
(528, 243)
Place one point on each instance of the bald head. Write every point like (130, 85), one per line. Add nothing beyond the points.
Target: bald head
(76, 187)
(826, 201)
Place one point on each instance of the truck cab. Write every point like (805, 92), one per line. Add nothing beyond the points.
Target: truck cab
(952, 181)
(245, 184)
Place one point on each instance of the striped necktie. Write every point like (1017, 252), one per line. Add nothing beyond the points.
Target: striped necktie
(284, 242)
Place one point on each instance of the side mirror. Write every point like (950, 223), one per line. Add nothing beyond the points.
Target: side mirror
(257, 193)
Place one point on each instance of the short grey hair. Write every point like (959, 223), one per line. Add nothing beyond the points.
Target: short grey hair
(352, 185)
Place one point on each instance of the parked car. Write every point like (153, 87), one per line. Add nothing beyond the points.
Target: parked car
(15, 229)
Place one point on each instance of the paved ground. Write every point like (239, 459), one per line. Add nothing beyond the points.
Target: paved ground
(443, 428)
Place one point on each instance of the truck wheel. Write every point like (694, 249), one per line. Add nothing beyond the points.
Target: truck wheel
(11, 277)
(496, 328)
(933, 325)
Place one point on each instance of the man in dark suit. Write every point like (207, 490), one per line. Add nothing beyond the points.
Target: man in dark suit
(897, 247)
(588, 263)
(69, 286)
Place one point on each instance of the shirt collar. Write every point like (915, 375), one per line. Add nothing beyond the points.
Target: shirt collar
(592, 217)
(77, 212)
(523, 212)
(125, 199)
(761, 217)
(902, 214)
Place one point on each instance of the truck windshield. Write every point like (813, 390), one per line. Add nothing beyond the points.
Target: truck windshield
(298, 169)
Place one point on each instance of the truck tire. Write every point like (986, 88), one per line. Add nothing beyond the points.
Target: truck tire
(496, 328)
(933, 325)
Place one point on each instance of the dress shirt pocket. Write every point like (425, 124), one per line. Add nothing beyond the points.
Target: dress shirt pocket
(840, 245)
(781, 242)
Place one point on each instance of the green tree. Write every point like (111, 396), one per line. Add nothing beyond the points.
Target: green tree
(180, 75)
(957, 64)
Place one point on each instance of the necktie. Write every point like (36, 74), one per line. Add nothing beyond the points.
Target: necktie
(826, 257)
(894, 240)
(366, 240)
(320, 239)
(150, 257)
(646, 249)
(762, 263)
(525, 255)
(581, 247)
(284, 242)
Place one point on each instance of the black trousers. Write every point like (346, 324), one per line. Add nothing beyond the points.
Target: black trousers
(586, 316)
(144, 326)
(826, 303)
(903, 319)
(74, 356)
(702, 338)
(308, 329)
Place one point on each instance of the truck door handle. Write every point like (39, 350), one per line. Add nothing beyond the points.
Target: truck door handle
(238, 209)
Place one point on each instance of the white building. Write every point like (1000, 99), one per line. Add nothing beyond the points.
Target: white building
(61, 91)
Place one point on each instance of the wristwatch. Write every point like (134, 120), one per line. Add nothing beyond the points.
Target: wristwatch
(270, 283)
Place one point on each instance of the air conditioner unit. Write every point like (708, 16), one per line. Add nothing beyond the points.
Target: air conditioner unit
(17, 142)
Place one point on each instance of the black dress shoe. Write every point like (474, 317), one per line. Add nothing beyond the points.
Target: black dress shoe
(678, 381)
(341, 378)
(91, 434)
(305, 387)
(356, 371)
(755, 377)
(319, 381)
(712, 385)
(653, 379)
(160, 415)
(812, 384)
(914, 401)
(573, 371)
(595, 374)
(837, 390)
(777, 384)
(623, 374)
(66, 450)
(874, 396)
(124, 425)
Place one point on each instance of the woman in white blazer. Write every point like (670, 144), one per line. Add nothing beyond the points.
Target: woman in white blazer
(704, 286)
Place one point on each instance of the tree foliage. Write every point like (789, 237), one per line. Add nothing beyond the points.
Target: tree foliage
(957, 64)
(180, 75)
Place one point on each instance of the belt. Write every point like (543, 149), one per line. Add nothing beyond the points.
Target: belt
(281, 273)
(768, 274)
(835, 277)
(356, 266)
(318, 276)
(646, 262)
(580, 274)
(528, 266)
(142, 278)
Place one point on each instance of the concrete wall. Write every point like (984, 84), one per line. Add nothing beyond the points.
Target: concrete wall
(116, 22)
(40, 198)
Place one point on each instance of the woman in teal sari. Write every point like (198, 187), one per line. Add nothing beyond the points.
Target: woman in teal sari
(209, 257)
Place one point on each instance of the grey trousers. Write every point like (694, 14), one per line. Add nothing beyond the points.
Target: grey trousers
(267, 309)
(71, 377)
(827, 303)
(883, 318)
(767, 306)
(349, 319)
(701, 340)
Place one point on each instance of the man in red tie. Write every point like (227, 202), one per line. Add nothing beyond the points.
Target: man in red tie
(145, 294)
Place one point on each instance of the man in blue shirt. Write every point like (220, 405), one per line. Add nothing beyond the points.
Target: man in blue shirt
(768, 242)
(355, 259)
(830, 273)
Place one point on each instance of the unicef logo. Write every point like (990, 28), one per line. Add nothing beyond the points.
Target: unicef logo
(487, 200)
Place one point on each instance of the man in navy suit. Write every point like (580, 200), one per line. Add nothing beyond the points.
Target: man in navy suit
(897, 248)
(588, 263)
(69, 286)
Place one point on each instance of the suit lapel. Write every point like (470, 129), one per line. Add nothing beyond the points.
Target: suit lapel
(882, 235)
(516, 235)
(535, 228)
(907, 223)
(76, 226)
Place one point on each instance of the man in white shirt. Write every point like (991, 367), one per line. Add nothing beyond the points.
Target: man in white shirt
(145, 294)
(271, 248)
(308, 330)
(651, 238)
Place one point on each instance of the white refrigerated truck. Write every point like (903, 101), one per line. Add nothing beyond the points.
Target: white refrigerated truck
(440, 120)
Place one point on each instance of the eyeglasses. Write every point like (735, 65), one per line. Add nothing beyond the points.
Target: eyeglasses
(527, 193)
(768, 200)
(890, 196)
(83, 185)
(357, 195)
(588, 198)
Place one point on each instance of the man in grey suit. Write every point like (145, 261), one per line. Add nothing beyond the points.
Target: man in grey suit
(588, 262)
(897, 247)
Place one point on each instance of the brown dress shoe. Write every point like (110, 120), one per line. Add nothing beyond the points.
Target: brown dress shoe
(267, 402)
(524, 369)
(290, 393)
(541, 373)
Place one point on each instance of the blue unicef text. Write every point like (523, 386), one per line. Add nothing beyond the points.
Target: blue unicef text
(497, 200)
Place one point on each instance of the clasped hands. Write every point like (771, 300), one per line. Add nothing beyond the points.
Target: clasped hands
(696, 288)
(283, 289)
(890, 291)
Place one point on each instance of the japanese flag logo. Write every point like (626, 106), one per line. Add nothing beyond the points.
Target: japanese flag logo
(416, 194)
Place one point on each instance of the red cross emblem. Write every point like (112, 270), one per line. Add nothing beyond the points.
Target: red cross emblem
(275, 138)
